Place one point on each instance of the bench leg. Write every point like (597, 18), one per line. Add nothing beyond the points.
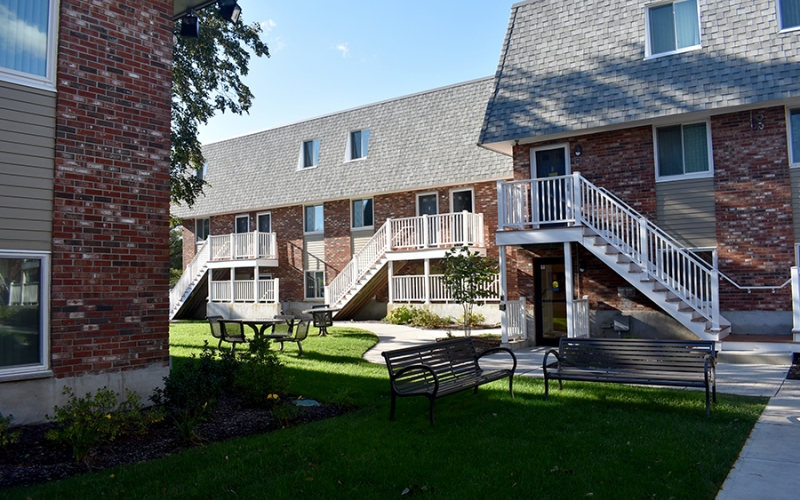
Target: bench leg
(433, 400)
(546, 387)
(511, 386)
(300, 348)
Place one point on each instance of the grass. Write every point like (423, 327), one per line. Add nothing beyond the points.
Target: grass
(589, 441)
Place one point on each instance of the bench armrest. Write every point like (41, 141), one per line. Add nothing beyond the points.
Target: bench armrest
(406, 369)
(554, 352)
(499, 349)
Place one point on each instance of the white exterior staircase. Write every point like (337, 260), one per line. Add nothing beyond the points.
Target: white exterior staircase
(663, 270)
(426, 232)
(191, 276)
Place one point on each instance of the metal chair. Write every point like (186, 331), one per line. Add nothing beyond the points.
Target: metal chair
(289, 319)
(300, 334)
(227, 330)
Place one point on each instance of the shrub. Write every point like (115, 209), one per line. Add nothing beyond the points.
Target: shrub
(86, 422)
(191, 390)
(6, 437)
(428, 319)
(260, 375)
(473, 319)
(400, 316)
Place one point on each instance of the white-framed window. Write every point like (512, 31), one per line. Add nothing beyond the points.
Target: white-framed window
(264, 221)
(683, 151)
(314, 219)
(794, 137)
(427, 204)
(315, 285)
(309, 154)
(357, 145)
(789, 14)
(462, 200)
(672, 27)
(362, 216)
(201, 172)
(28, 42)
(24, 312)
(202, 228)
(242, 223)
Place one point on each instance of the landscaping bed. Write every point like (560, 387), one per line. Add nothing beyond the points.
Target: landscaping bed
(35, 459)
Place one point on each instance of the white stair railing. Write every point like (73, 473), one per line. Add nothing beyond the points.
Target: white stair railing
(572, 200)
(195, 267)
(424, 232)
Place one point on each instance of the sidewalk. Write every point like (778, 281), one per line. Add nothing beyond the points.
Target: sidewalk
(768, 466)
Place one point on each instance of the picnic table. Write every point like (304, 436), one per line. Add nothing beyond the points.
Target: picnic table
(323, 317)
(260, 325)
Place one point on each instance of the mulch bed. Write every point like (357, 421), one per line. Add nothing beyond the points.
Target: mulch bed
(35, 459)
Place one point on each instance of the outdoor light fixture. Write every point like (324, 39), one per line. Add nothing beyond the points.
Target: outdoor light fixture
(578, 150)
(229, 10)
(190, 25)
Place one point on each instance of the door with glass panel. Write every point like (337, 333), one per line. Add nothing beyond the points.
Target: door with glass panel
(427, 204)
(460, 202)
(549, 167)
(551, 301)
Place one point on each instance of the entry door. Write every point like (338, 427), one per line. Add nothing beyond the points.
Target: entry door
(428, 204)
(550, 196)
(551, 301)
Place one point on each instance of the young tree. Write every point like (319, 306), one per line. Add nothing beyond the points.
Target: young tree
(206, 78)
(467, 276)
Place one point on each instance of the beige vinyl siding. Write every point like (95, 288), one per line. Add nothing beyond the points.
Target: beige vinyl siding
(686, 211)
(314, 253)
(794, 176)
(27, 141)
(360, 238)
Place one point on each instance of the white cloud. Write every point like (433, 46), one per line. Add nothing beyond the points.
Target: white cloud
(266, 26)
(344, 49)
(17, 36)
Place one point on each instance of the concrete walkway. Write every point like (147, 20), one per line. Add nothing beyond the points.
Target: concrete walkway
(768, 466)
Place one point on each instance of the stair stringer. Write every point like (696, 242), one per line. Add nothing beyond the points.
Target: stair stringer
(354, 290)
(646, 284)
(188, 292)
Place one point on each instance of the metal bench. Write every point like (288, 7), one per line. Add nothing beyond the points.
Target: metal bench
(683, 363)
(441, 368)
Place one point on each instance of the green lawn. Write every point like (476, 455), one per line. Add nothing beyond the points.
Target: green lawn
(589, 441)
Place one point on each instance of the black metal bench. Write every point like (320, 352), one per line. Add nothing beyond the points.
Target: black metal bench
(441, 368)
(683, 363)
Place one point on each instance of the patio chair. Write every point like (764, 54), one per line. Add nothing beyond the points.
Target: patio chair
(227, 330)
(290, 321)
(300, 334)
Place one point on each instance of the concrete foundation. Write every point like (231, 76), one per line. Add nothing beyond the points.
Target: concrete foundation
(31, 400)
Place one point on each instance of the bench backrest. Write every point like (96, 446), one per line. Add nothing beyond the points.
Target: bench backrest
(448, 359)
(635, 354)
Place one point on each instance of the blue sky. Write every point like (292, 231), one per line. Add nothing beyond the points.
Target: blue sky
(328, 56)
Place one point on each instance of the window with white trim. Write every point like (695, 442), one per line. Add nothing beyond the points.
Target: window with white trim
(683, 151)
(358, 145)
(362, 213)
(315, 284)
(673, 27)
(789, 14)
(794, 137)
(309, 154)
(201, 172)
(314, 219)
(28, 41)
(202, 227)
(24, 311)
(242, 223)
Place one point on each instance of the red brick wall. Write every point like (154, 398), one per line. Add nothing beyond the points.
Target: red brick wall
(189, 241)
(287, 224)
(754, 207)
(338, 250)
(111, 210)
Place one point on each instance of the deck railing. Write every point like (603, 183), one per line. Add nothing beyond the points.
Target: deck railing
(253, 245)
(580, 317)
(424, 232)
(23, 294)
(573, 201)
(516, 319)
(412, 289)
(251, 291)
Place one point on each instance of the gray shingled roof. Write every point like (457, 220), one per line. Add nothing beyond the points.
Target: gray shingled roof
(418, 141)
(574, 65)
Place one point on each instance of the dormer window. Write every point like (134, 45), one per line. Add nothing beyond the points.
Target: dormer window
(358, 145)
(202, 172)
(673, 27)
(789, 14)
(309, 154)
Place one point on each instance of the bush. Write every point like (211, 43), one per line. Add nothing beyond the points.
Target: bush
(473, 319)
(86, 422)
(427, 319)
(260, 375)
(191, 390)
(6, 437)
(400, 316)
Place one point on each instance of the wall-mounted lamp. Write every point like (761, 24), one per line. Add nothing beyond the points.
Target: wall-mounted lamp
(581, 267)
(578, 150)
(190, 25)
(229, 10)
